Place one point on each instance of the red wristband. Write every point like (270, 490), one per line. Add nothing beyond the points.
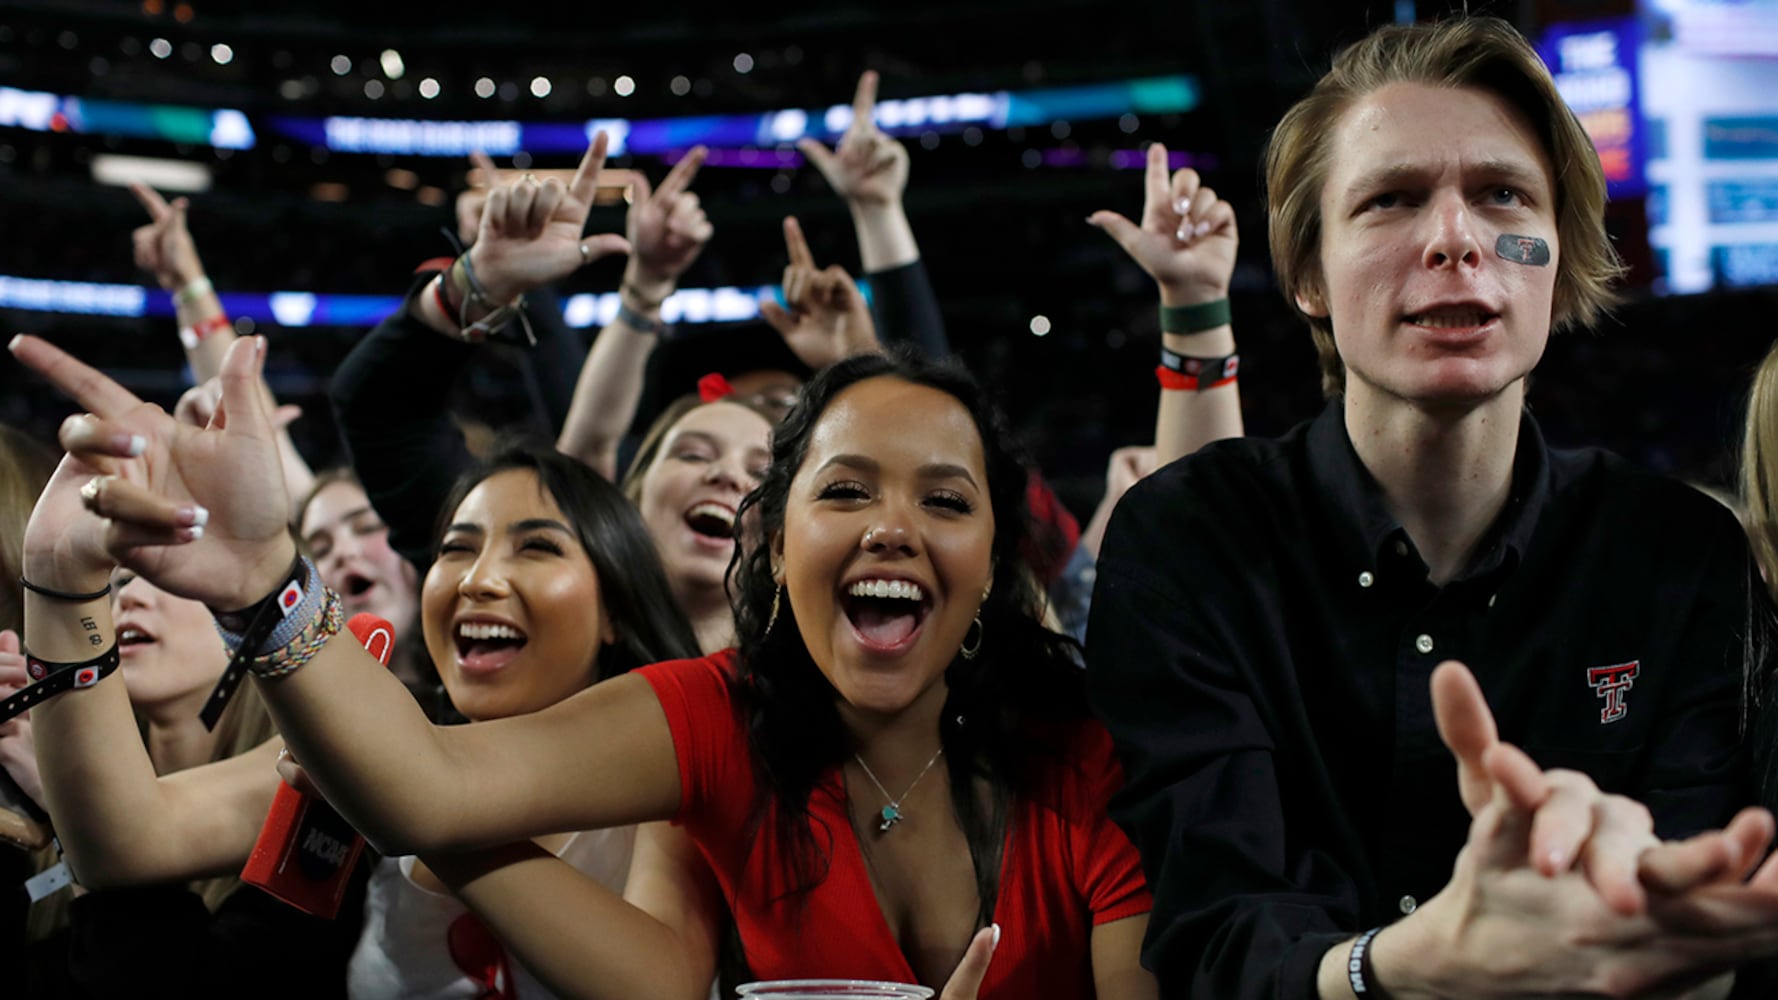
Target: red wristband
(1175, 381)
(438, 296)
(192, 336)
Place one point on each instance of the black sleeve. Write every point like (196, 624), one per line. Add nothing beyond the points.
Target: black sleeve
(161, 940)
(1178, 647)
(552, 366)
(1698, 773)
(906, 310)
(390, 396)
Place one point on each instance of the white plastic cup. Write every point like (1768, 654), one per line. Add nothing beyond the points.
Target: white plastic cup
(827, 989)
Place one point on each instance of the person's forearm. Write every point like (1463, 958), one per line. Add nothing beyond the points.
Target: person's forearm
(389, 397)
(885, 237)
(1093, 535)
(610, 385)
(576, 936)
(367, 745)
(119, 824)
(202, 320)
(1186, 420)
(414, 788)
(299, 479)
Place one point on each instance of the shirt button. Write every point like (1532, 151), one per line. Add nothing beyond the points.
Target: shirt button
(1401, 548)
(1365, 579)
(1423, 644)
(1409, 904)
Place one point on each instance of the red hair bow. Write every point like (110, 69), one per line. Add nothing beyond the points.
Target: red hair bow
(713, 387)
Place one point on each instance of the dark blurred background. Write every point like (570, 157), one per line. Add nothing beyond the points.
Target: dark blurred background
(998, 212)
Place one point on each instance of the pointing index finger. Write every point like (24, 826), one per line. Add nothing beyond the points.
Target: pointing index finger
(1155, 178)
(864, 101)
(150, 199)
(586, 178)
(484, 173)
(680, 177)
(796, 244)
(92, 389)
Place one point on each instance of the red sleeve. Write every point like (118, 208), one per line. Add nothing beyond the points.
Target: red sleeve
(1106, 862)
(707, 737)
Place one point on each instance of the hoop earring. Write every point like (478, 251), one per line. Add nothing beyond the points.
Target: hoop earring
(773, 619)
(966, 649)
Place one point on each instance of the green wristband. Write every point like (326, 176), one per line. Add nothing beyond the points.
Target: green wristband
(1195, 319)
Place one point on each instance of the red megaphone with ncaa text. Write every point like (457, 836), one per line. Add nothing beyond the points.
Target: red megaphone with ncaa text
(306, 852)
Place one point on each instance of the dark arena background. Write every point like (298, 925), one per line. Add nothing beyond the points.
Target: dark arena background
(322, 145)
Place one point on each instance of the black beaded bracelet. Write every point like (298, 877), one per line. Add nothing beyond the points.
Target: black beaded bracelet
(1196, 319)
(62, 595)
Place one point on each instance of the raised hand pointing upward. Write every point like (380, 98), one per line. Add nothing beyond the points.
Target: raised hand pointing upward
(868, 167)
(531, 231)
(164, 247)
(824, 318)
(1186, 241)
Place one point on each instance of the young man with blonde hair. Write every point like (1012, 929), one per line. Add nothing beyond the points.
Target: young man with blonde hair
(1272, 622)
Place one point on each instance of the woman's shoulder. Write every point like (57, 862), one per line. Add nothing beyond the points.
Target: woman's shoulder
(697, 679)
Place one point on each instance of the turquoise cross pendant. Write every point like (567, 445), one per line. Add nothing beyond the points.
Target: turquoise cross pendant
(891, 816)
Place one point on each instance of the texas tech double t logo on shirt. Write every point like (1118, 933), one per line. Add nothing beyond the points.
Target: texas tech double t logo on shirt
(1612, 683)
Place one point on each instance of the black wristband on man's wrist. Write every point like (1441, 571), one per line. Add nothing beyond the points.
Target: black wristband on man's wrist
(1361, 972)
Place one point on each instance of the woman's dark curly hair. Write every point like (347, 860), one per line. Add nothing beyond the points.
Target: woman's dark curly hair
(632, 585)
(1002, 705)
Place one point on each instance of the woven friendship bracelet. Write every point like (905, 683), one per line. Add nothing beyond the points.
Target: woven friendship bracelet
(287, 659)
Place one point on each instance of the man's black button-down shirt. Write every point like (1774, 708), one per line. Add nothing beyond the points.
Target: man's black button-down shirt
(1261, 640)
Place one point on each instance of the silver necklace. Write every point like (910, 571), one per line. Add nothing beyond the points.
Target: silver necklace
(891, 813)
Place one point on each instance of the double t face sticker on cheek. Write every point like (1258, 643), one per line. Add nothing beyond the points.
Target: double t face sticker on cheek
(1522, 249)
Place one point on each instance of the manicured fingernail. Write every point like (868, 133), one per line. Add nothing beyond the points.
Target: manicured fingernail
(194, 516)
(192, 533)
(996, 937)
(1555, 860)
(138, 445)
(1184, 235)
(1201, 228)
(1183, 206)
(17, 339)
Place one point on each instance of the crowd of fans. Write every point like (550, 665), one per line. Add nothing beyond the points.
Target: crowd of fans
(768, 654)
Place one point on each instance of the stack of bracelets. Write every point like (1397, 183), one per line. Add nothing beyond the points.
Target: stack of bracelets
(50, 678)
(457, 280)
(1183, 372)
(277, 635)
(190, 294)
